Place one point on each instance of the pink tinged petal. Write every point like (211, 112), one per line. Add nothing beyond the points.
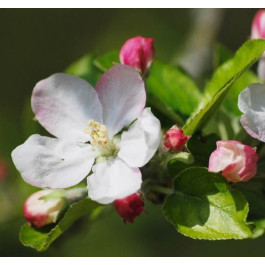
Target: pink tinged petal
(113, 180)
(122, 94)
(258, 25)
(220, 159)
(251, 102)
(250, 164)
(141, 141)
(64, 104)
(236, 161)
(54, 163)
(138, 52)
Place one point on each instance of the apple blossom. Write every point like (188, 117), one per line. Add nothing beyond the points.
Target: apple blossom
(41, 210)
(236, 161)
(130, 207)
(251, 103)
(86, 123)
(175, 139)
(138, 52)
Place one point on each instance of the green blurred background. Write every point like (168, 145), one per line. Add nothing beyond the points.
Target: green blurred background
(36, 43)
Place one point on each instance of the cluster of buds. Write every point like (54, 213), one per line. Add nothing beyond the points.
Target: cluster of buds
(45, 207)
(175, 139)
(236, 162)
(138, 52)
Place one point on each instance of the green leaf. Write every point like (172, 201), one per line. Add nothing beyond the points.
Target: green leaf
(254, 192)
(173, 87)
(85, 68)
(41, 238)
(230, 103)
(174, 166)
(107, 60)
(259, 229)
(179, 162)
(223, 78)
(203, 206)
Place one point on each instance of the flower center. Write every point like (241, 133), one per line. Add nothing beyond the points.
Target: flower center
(99, 138)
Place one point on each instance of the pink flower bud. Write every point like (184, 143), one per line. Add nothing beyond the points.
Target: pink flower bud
(236, 161)
(41, 210)
(258, 25)
(3, 169)
(130, 207)
(138, 52)
(174, 139)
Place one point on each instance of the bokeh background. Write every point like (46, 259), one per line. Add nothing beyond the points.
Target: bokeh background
(35, 43)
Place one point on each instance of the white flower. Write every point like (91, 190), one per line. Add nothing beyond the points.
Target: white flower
(86, 122)
(251, 102)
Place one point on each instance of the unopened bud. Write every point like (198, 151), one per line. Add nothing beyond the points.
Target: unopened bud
(175, 139)
(236, 161)
(138, 52)
(130, 207)
(45, 207)
(258, 25)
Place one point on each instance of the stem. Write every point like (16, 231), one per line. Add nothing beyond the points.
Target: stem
(161, 189)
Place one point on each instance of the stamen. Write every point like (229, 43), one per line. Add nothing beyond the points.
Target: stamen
(99, 138)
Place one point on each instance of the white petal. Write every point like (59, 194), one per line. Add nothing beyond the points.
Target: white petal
(141, 141)
(122, 94)
(251, 102)
(63, 104)
(113, 180)
(50, 162)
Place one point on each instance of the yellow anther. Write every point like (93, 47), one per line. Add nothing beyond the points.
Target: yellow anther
(99, 137)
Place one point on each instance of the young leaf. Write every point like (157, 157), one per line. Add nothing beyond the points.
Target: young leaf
(203, 206)
(107, 60)
(173, 87)
(223, 78)
(230, 103)
(259, 229)
(40, 239)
